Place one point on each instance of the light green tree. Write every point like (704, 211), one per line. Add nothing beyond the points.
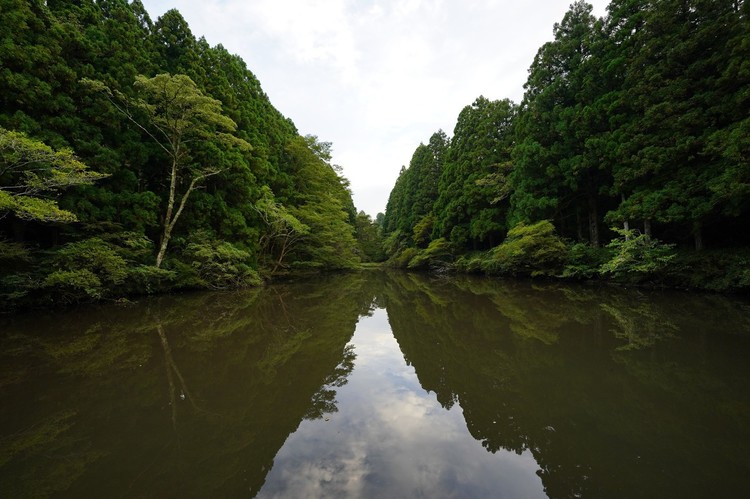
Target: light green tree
(283, 230)
(31, 173)
(177, 116)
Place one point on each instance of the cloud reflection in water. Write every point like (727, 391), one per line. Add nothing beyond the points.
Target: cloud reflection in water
(390, 438)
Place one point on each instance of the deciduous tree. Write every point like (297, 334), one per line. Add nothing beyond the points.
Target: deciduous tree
(176, 115)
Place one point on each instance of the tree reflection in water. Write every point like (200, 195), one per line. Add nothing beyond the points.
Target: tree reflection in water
(88, 413)
(615, 392)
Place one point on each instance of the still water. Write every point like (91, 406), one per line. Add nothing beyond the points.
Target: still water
(381, 385)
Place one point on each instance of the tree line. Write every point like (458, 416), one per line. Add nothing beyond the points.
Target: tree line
(630, 146)
(135, 157)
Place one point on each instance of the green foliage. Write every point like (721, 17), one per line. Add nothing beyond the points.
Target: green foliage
(416, 191)
(635, 119)
(637, 256)
(393, 243)
(219, 264)
(584, 261)
(423, 230)
(369, 239)
(470, 263)
(401, 260)
(176, 115)
(528, 250)
(321, 202)
(439, 254)
(471, 206)
(85, 270)
(710, 270)
(196, 149)
(71, 286)
(30, 169)
(148, 279)
(11, 253)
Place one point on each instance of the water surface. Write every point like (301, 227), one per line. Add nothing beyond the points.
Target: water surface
(380, 385)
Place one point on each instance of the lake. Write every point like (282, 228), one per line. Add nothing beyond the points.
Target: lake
(381, 384)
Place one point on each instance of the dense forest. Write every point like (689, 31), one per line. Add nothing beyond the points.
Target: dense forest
(135, 158)
(627, 159)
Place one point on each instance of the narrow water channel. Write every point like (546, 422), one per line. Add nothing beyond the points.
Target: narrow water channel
(380, 385)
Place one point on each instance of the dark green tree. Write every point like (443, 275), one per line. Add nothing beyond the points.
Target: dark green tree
(673, 85)
(470, 209)
(556, 164)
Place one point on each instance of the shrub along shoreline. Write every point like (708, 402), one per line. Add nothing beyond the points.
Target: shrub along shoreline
(633, 259)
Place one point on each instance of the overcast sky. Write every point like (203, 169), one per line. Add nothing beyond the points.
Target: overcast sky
(377, 77)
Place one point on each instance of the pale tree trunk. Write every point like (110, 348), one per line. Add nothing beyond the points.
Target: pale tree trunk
(169, 220)
(168, 216)
(282, 254)
(647, 228)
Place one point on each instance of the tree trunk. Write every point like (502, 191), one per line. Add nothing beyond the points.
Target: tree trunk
(593, 222)
(579, 224)
(166, 234)
(698, 236)
(169, 223)
(647, 228)
(626, 222)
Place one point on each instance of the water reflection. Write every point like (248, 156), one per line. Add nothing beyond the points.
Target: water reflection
(616, 393)
(393, 439)
(189, 395)
(379, 385)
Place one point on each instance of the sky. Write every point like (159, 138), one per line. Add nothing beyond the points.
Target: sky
(377, 77)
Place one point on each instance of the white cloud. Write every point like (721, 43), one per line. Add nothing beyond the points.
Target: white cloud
(376, 77)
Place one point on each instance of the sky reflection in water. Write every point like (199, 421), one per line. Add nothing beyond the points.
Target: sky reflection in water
(391, 438)
(465, 387)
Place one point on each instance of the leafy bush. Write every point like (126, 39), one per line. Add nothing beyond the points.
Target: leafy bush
(423, 229)
(72, 286)
(402, 259)
(439, 253)
(392, 244)
(85, 270)
(724, 270)
(470, 263)
(584, 261)
(528, 250)
(219, 264)
(149, 279)
(636, 256)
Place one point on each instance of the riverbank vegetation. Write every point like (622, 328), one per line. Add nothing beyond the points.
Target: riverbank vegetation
(135, 158)
(628, 158)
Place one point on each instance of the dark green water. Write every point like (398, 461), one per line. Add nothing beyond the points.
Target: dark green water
(379, 385)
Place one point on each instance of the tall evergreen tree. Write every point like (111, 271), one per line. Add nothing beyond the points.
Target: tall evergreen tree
(468, 210)
(556, 174)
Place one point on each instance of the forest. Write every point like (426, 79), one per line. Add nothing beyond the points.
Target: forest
(627, 160)
(135, 158)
